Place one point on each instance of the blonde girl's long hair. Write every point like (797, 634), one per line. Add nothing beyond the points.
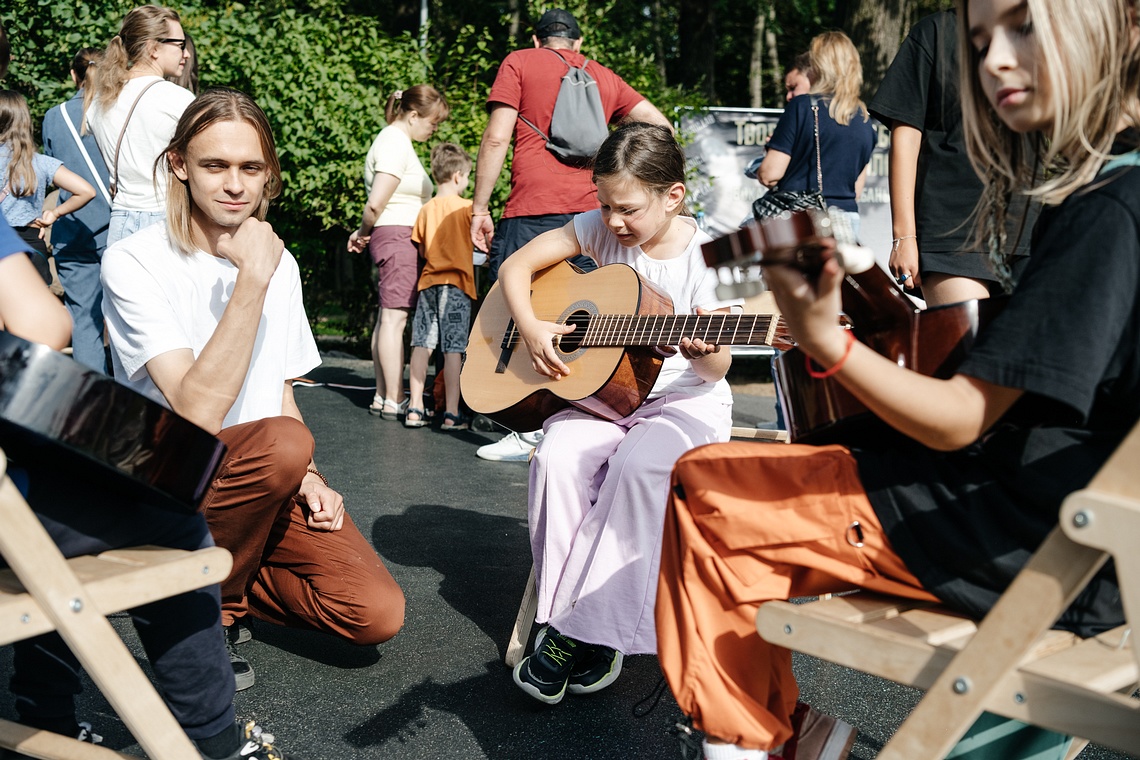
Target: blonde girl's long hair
(838, 73)
(16, 134)
(141, 28)
(211, 107)
(424, 99)
(1094, 73)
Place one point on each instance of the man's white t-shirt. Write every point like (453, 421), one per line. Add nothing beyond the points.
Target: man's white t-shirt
(687, 280)
(392, 153)
(157, 299)
(148, 133)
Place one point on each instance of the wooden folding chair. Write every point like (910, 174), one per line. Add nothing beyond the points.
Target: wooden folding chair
(1010, 663)
(43, 592)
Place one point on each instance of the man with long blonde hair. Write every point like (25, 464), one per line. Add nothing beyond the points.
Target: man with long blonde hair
(205, 315)
(180, 634)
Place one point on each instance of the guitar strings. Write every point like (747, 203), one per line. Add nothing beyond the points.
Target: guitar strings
(597, 330)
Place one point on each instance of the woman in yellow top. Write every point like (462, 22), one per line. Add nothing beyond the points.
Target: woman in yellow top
(400, 186)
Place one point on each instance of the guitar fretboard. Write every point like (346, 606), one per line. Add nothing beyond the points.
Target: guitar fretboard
(594, 330)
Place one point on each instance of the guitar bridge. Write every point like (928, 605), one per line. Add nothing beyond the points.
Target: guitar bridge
(507, 347)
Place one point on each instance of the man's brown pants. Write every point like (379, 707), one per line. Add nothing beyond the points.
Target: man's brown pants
(284, 572)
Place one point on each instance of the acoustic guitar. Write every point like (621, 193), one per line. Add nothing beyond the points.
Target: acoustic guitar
(60, 420)
(619, 318)
(931, 341)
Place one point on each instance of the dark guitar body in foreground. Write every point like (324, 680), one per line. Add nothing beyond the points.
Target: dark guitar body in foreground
(62, 420)
(930, 341)
(620, 319)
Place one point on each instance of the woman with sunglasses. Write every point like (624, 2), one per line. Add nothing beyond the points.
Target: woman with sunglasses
(132, 111)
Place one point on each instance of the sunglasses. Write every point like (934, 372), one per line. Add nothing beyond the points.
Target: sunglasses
(181, 43)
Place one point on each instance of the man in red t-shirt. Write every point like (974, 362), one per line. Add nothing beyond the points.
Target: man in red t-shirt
(545, 193)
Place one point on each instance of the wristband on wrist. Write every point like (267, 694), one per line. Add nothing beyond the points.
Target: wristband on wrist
(317, 472)
(821, 374)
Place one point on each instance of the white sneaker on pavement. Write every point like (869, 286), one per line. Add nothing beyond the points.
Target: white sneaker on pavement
(513, 447)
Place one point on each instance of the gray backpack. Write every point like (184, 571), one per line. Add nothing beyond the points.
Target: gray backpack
(578, 126)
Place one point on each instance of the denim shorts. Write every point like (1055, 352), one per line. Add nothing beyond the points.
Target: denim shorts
(443, 318)
(126, 223)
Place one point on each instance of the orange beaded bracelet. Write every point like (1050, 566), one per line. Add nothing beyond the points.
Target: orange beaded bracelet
(821, 374)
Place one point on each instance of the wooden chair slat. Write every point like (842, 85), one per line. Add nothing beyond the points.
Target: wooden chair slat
(116, 581)
(48, 746)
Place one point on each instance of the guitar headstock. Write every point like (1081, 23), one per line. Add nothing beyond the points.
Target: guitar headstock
(801, 239)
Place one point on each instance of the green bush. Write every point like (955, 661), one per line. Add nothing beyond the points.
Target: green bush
(322, 71)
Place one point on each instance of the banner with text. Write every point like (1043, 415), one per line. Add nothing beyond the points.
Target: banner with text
(721, 142)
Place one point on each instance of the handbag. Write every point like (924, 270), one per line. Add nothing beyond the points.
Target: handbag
(776, 201)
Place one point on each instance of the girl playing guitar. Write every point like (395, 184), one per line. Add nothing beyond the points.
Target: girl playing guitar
(598, 488)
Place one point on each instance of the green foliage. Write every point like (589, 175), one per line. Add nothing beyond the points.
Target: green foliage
(44, 37)
(323, 69)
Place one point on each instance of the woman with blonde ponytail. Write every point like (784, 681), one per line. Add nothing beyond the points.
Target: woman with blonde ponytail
(845, 134)
(132, 111)
(399, 187)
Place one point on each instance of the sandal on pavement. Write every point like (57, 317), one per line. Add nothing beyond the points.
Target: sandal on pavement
(454, 422)
(389, 409)
(420, 418)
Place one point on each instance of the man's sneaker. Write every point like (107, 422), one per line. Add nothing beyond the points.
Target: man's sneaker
(244, 633)
(257, 745)
(594, 669)
(513, 447)
(87, 734)
(243, 671)
(816, 737)
(545, 673)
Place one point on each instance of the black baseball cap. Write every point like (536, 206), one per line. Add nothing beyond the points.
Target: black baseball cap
(557, 23)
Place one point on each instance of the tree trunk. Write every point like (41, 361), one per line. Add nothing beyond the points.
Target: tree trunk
(659, 42)
(774, 58)
(756, 63)
(513, 10)
(698, 46)
(876, 28)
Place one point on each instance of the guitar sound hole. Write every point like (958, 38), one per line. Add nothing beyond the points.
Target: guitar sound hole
(568, 344)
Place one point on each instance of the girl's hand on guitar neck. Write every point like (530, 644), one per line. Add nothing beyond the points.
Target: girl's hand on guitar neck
(708, 361)
(811, 309)
(540, 338)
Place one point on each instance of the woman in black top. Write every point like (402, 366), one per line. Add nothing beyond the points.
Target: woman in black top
(953, 507)
(934, 189)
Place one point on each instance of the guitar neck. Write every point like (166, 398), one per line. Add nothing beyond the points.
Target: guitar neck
(668, 329)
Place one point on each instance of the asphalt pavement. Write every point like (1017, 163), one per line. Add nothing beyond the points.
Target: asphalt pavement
(452, 530)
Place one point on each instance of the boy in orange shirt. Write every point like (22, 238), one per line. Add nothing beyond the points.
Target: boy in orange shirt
(447, 283)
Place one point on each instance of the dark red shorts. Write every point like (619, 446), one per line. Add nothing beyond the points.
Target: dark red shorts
(394, 253)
